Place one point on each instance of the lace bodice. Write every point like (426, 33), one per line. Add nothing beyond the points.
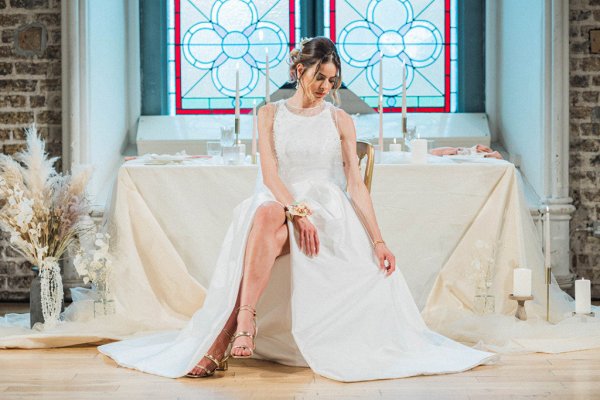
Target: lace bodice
(307, 144)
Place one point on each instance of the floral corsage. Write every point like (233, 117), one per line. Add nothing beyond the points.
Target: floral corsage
(297, 209)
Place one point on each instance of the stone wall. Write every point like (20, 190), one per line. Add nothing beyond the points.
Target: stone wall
(585, 138)
(30, 92)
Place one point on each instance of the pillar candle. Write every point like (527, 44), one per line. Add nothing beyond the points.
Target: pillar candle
(267, 78)
(419, 151)
(254, 130)
(380, 101)
(521, 282)
(395, 146)
(583, 298)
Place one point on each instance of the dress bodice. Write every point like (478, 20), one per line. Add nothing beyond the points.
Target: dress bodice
(307, 144)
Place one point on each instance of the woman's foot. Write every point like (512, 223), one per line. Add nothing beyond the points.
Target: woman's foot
(215, 357)
(243, 340)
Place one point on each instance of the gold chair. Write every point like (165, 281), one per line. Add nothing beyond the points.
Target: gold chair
(365, 149)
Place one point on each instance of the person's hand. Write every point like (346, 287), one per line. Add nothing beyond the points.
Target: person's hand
(307, 233)
(483, 149)
(387, 261)
(494, 154)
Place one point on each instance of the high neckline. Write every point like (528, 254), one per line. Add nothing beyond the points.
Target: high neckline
(287, 103)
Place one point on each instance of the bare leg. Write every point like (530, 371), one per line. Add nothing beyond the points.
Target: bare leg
(267, 239)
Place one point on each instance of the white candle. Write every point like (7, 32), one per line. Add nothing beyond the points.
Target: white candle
(267, 78)
(254, 129)
(380, 101)
(521, 282)
(395, 146)
(583, 298)
(419, 151)
(403, 91)
(548, 239)
(237, 90)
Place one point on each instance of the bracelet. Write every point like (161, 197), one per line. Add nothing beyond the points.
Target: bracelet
(375, 243)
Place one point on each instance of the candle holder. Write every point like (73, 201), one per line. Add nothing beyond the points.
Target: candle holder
(520, 314)
(590, 314)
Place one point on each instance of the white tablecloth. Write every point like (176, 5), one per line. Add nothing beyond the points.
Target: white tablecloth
(442, 221)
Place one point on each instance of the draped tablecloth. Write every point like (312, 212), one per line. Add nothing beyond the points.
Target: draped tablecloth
(448, 225)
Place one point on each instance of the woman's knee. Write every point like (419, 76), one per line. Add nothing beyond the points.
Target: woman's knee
(269, 216)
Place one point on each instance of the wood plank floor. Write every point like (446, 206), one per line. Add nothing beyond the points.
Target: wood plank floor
(83, 373)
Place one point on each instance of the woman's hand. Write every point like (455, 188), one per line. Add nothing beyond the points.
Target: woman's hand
(385, 256)
(307, 233)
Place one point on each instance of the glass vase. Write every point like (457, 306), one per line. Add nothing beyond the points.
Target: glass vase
(104, 303)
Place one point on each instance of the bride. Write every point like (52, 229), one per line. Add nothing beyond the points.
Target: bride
(338, 305)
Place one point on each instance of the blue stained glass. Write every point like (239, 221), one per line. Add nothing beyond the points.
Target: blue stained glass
(216, 38)
(413, 32)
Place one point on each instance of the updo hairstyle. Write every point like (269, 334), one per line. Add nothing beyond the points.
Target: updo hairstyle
(314, 52)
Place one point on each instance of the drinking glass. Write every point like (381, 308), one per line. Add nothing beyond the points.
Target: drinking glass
(213, 148)
(227, 136)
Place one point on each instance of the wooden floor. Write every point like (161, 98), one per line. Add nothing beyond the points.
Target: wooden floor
(83, 373)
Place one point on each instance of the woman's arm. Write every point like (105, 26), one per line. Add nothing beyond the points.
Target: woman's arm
(268, 162)
(359, 195)
(307, 233)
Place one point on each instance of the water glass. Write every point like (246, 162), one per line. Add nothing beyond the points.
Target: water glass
(231, 155)
(227, 136)
(213, 148)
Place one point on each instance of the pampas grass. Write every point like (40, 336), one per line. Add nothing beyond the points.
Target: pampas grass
(42, 210)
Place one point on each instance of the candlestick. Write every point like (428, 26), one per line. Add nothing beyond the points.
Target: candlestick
(583, 299)
(547, 238)
(547, 260)
(267, 78)
(380, 108)
(404, 118)
(254, 131)
(520, 314)
(522, 282)
(237, 102)
(419, 151)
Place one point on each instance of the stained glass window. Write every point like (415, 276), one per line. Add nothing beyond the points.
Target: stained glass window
(419, 33)
(209, 40)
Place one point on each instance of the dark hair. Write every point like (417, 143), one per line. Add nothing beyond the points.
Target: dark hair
(314, 52)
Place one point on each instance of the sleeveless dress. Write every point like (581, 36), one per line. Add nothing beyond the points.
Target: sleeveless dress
(335, 312)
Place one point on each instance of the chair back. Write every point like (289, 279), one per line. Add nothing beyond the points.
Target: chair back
(365, 149)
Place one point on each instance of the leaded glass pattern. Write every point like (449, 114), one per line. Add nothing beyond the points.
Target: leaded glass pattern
(420, 33)
(210, 39)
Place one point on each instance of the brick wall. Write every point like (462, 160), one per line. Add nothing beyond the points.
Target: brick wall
(30, 92)
(585, 138)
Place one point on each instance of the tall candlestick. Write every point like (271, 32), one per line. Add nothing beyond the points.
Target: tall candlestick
(583, 296)
(548, 260)
(267, 78)
(404, 99)
(254, 130)
(237, 101)
(380, 108)
(547, 239)
(521, 282)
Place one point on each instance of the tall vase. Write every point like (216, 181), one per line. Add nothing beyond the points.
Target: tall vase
(54, 294)
(35, 299)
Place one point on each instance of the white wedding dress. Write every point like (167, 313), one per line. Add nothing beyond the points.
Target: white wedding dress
(336, 312)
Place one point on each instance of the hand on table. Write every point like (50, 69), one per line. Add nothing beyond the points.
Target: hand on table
(307, 233)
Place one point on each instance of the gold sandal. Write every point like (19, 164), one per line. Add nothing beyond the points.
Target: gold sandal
(221, 365)
(246, 334)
